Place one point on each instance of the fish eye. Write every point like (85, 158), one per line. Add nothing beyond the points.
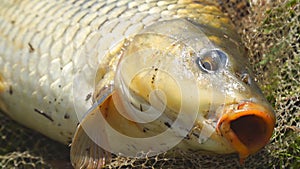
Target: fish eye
(212, 60)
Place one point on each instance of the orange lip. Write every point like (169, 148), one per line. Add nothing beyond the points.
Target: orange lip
(248, 127)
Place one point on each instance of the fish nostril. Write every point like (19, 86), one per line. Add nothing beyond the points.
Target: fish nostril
(251, 131)
(246, 78)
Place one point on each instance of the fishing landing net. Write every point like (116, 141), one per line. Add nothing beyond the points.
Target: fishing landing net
(271, 32)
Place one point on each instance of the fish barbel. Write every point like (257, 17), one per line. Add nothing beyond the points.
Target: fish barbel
(129, 77)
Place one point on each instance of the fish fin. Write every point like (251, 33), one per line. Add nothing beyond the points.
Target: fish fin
(90, 146)
(85, 153)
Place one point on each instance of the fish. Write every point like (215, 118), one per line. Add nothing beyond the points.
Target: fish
(131, 78)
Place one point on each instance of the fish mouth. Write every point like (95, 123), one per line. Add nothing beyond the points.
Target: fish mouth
(248, 127)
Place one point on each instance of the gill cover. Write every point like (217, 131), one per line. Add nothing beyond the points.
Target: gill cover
(160, 67)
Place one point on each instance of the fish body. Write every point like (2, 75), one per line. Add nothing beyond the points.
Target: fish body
(64, 62)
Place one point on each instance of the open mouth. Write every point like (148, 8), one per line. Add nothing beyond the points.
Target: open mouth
(247, 128)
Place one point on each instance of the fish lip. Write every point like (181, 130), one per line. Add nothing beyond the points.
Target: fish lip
(247, 127)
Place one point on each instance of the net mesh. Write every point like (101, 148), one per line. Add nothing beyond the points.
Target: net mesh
(271, 32)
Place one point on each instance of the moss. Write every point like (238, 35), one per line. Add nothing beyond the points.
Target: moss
(291, 152)
(291, 3)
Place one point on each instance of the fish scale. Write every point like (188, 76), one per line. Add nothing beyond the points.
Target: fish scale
(40, 53)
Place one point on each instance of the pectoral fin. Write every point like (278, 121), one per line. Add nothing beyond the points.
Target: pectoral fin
(86, 151)
(95, 136)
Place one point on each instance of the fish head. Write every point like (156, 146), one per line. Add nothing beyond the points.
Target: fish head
(196, 79)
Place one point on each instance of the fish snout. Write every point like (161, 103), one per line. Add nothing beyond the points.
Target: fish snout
(248, 127)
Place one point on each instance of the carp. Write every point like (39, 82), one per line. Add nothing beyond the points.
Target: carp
(132, 78)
